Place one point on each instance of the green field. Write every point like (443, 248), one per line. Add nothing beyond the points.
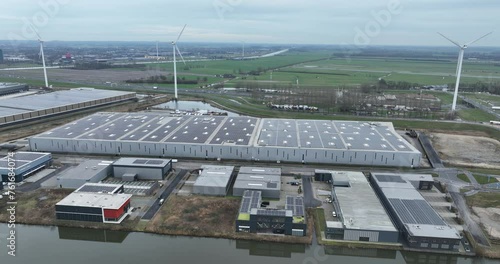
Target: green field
(484, 200)
(481, 179)
(463, 177)
(474, 114)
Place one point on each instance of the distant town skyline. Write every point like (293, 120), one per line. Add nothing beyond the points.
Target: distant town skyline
(377, 22)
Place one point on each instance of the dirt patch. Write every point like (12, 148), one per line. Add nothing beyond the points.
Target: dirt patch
(209, 217)
(36, 207)
(490, 219)
(466, 150)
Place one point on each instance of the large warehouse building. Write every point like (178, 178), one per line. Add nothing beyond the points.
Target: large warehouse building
(23, 164)
(40, 105)
(422, 227)
(214, 180)
(254, 219)
(234, 138)
(131, 169)
(362, 216)
(89, 171)
(265, 180)
(8, 88)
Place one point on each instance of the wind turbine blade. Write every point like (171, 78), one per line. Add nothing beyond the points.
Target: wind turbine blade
(180, 34)
(452, 41)
(180, 54)
(36, 32)
(40, 52)
(472, 42)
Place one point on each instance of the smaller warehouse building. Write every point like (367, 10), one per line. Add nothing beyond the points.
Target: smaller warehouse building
(214, 180)
(89, 171)
(421, 226)
(90, 206)
(254, 219)
(8, 88)
(101, 188)
(23, 164)
(265, 180)
(362, 216)
(131, 169)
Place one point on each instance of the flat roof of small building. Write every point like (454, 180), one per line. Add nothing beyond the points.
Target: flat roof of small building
(258, 177)
(85, 170)
(95, 200)
(359, 205)
(142, 162)
(20, 159)
(257, 185)
(260, 170)
(99, 188)
(5, 85)
(214, 176)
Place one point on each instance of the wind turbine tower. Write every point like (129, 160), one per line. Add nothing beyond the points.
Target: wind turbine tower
(174, 50)
(459, 64)
(43, 58)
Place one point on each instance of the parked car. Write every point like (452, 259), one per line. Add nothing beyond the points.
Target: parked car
(467, 249)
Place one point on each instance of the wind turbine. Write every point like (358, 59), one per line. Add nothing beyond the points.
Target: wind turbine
(174, 49)
(43, 58)
(459, 64)
(157, 57)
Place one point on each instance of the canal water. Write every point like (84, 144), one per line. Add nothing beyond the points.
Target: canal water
(44, 245)
(192, 106)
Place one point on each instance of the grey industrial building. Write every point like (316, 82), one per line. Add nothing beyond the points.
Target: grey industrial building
(131, 169)
(101, 188)
(233, 138)
(41, 105)
(214, 180)
(23, 164)
(361, 214)
(8, 88)
(421, 226)
(89, 171)
(265, 180)
(254, 219)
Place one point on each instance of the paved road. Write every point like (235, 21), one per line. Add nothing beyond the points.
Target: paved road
(309, 200)
(472, 226)
(164, 195)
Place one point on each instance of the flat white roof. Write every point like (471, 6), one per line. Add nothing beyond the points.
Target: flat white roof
(214, 176)
(85, 170)
(95, 200)
(260, 170)
(142, 162)
(359, 205)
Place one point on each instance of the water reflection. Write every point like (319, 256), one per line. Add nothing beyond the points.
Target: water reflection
(361, 252)
(269, 249)
(99, 235)
(428, 258)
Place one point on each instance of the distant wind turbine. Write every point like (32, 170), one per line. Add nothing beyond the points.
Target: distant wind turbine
(459, 64)
(43, 58)
(176, 49)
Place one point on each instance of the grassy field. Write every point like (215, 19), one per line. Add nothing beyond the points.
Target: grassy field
(474, 114)
(463, 177)
(424, 72)
(484, 200)
(484, 179)
(234, 66)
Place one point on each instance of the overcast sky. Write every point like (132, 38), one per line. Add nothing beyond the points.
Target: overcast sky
(400, 22)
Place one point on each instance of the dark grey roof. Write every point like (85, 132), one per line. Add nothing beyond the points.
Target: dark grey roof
(251, 199)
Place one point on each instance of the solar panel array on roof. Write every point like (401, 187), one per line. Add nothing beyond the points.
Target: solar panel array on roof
(140, 161)
(235, 130)
(416, 212)
(155, 162)
(251, 199)
(271, 212)
(295, 204)
(389, 178)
